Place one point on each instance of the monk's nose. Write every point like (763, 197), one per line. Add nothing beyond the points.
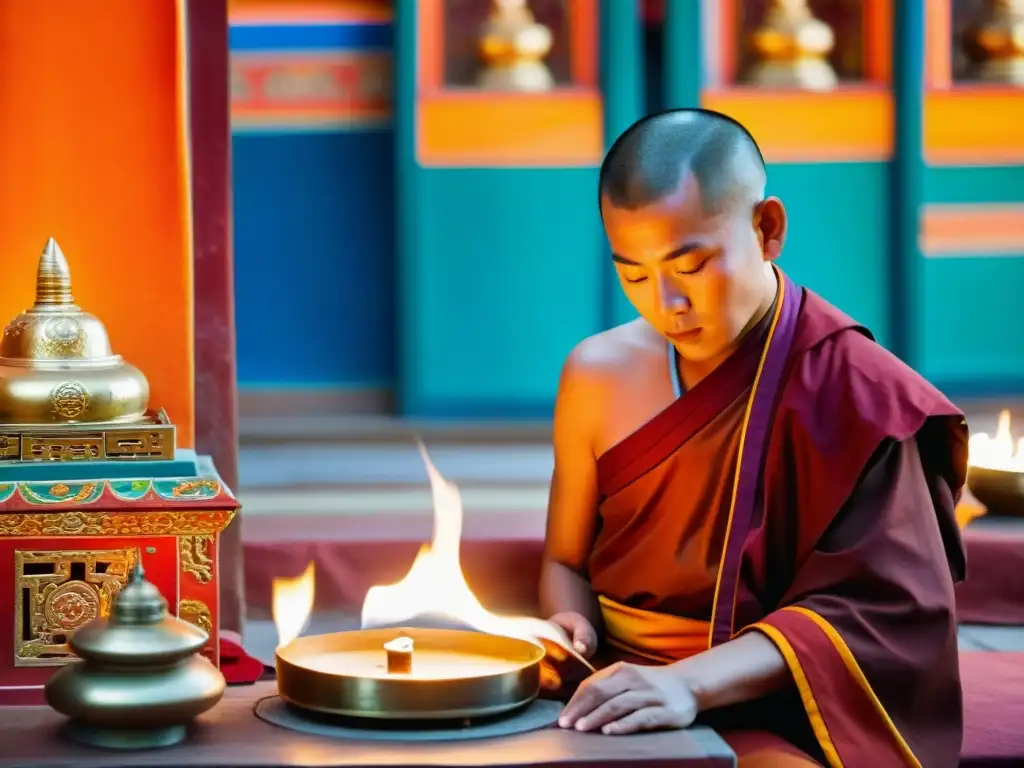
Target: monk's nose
(672, 300)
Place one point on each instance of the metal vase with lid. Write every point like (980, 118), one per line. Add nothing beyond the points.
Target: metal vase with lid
(141, 679)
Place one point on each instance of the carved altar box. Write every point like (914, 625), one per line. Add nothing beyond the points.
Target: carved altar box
(67, 546)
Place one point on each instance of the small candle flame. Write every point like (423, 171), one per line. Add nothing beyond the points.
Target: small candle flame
(399, 645)
(293, 604)
(997, 452)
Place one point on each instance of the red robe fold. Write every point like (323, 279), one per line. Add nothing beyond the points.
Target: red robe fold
(849, 556)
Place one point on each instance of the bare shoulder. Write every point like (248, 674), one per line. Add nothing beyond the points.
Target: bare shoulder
(602, 367)
(612, 383)
(606, 355)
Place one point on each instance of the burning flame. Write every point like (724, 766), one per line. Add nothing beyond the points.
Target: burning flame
(434, 587)
(997, 452)
(293, 604)
(400, 645)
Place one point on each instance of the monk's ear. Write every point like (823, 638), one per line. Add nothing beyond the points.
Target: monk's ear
(770, 223)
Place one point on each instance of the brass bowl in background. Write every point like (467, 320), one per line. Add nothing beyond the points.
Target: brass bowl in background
(399, 697)
(1000, 491)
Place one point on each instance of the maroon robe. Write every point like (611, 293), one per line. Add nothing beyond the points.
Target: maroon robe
(805, 489)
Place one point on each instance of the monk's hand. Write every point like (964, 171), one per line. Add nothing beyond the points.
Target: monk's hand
(626, 698)
(580, 631)
(580, 634)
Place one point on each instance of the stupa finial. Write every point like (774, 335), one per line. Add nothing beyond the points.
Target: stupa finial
(138, 573)
(53, 280)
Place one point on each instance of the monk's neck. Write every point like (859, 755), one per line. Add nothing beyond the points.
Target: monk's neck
(692, 373)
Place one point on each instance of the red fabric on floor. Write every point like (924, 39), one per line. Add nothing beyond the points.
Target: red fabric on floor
(237, 666)
(502, 574)
(993, 592)
(501, 552)
(993, 686)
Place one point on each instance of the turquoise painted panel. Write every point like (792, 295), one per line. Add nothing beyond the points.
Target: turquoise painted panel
(625, 68)
(838, 243)
(958, 184)
(504, 279)
(184, 464)
(971, 307)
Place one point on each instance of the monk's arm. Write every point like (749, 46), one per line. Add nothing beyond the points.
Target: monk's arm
(572, 505)
(743, 669)
(880, 573)
(868, 626)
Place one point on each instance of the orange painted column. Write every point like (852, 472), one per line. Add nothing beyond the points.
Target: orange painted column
(94, 152)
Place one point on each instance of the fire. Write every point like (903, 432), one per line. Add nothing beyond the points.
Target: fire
(434, 587)
(293, 604)
(997, 452)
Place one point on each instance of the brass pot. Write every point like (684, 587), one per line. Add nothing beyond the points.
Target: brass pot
(141, 680)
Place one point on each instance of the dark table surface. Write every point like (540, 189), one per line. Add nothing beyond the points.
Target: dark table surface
(230, 736)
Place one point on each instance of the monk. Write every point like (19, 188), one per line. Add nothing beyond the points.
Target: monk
(751, 520)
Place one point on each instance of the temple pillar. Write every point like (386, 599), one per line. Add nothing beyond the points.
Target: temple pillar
(216, 408)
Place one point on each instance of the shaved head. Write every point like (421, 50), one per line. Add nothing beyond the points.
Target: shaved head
(656, 155)
(690, 231)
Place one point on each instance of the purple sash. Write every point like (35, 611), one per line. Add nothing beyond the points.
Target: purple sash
(752, 458)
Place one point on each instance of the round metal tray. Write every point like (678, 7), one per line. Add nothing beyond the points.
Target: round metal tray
(346, 674)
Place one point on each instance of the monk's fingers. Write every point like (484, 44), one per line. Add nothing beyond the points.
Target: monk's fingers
(554, 650)
(550, 680)
(646, 719)
(617, 708)
(595, 691)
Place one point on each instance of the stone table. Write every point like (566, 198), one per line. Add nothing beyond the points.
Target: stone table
(231, 736)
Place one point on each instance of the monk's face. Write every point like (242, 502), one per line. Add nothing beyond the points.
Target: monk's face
(700, 279)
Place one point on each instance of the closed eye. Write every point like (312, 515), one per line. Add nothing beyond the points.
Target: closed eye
(695, 270)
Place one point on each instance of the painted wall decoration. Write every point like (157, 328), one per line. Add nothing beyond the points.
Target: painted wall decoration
(313, 183)
(393, 216)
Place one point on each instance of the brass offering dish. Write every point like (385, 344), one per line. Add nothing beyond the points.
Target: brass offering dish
(996, 472)
(141, 679)
(1001, 491)
(409, 674)
(64, 394)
